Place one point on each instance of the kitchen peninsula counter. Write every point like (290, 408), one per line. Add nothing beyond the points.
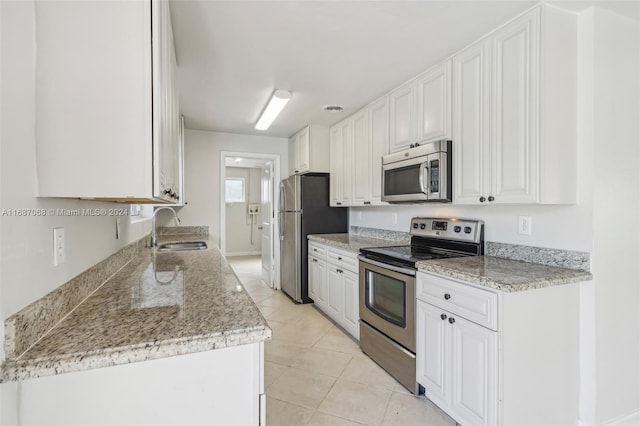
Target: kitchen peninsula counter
(160, 304)
(353, 242)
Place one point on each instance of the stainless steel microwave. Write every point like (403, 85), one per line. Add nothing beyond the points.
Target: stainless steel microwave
(420, 174)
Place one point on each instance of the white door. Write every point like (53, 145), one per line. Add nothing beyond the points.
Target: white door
(361, 167)
(473, 372)
(432, 351)
(351, 315)
(266, 216)
(335, 293)
(379, 136)
(336, 167)
(434, 104)
(402, 111)
(515, 117)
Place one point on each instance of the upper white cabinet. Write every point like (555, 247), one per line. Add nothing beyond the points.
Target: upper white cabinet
(379, 137)
(107, 125)
(309, 150)
(514, 119)
(402, 117)
(357, 146)
(434, 103)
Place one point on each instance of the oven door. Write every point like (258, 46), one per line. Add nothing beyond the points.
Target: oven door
(387, 301)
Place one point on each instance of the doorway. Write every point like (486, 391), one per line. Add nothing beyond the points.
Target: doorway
(247, 209)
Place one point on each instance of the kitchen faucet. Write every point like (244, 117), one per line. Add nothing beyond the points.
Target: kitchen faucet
(154, 234)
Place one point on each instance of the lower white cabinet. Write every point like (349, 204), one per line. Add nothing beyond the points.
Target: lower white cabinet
(457, 365)
(490, 357)
(333, 285)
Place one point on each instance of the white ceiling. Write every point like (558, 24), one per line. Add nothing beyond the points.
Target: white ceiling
(233, 54)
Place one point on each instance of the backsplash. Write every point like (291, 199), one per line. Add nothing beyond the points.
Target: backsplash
(551, 257)
(401, 237)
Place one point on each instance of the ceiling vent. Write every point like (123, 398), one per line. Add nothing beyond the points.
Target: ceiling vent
(333, 108)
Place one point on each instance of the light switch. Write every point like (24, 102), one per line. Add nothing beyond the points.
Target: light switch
(59, 255)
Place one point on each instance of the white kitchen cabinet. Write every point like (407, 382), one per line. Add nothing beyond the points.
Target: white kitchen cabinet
(512, 90)
(108, 125)
(402, 116)
(481, 353)
(309, 150)
(434, 104)
(335, 285)
(341, 188)
(357, 146)
(221, 387)
(360, 161)
(458, 369)
(379, 137)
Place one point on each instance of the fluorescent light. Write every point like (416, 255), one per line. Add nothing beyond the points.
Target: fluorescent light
(278, 100)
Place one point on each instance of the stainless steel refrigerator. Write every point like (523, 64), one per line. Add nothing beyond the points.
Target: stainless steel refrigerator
(304, 209)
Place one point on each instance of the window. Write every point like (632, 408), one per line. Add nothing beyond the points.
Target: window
(234, 190)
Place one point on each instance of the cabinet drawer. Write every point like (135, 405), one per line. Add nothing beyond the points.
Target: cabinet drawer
(343, 259)
(477, 305)
(317, 250)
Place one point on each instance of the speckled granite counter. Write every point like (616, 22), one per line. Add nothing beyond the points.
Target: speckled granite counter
(157, 305)
(353, 242)
(503, 274)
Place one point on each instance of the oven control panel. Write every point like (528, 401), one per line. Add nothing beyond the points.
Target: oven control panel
(449, 229)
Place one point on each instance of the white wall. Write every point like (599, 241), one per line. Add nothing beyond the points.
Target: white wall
(616, 207)
(26, 243)
(202, 171)
(238, 223)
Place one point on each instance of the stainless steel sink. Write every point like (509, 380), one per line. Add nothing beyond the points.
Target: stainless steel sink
(192, 245)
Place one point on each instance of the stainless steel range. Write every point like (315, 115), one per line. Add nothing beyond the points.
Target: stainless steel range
(387, 289)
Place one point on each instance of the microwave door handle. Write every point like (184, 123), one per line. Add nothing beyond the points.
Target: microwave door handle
(424, 167)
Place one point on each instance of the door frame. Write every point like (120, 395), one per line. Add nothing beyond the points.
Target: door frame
(275, 172)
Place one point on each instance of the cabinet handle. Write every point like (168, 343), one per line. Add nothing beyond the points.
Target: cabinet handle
(339, 258)
(482, 199)
(296, 171)
(315, 249)
(339, 270)
(491, 198)
(367, 202)
(443, 317)
(452, 320)
(416, 145)
(447, 296)
(412, 145)
(338, 203)
(314, 260)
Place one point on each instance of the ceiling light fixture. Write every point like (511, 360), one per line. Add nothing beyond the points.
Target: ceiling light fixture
(278, 100)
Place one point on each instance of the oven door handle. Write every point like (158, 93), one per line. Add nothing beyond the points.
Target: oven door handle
(406, 271)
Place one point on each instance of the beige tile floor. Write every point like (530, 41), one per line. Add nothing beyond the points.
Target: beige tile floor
(315, 374)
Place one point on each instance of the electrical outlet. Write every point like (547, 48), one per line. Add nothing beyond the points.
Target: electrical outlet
(524, 225)
(394, 218)
(59, 255)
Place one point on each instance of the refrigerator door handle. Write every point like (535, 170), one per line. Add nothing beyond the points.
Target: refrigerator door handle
(281, 225)
(282, 198)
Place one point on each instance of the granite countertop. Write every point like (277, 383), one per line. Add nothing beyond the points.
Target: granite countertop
(503, 274)
(353, 242)
(158, 305)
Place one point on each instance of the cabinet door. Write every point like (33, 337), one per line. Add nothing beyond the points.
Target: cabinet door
(432, 352)
(379, 137)
(302, 150)
(470, 123)
(314, 278)
(515, 113)
(335, 292)
(361, 167)
(351, 315)
(336, 166)
(346, 128)
(292, 155)
(434, 103)
(402, 106)
(473, 373)
(321, 301)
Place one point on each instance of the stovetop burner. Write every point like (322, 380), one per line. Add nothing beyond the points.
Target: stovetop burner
(433, 239)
